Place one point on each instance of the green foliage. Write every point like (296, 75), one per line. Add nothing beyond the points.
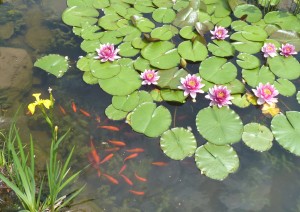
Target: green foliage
(53, 64)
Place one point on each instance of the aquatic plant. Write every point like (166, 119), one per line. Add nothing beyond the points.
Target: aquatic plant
(176, 41)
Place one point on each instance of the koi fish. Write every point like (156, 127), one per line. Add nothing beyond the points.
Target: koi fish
(94, 154)
(139, 193)
(109, 127)
(134, 155)
(135, 150)
(114, 149)
(111, 179)
(108, 157)
(62, 110)
(117, 143)
(74, 108)
(140, 178)
(122, 168)
(85, 113)
(127, 180)
(159, 163)
(98, 119)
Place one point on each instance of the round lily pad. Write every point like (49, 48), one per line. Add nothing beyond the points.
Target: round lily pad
(216, 70)
(194, 51)
(109, 22)
(216, 162)
(286, 130)
(253, 13)
(244, 45)
(219, 125)
(238, 25)
(162, 33)
(90, 46)
(254, 33)
(163, 15)
(171, 78)
(114, 114)
(172, 95)
(187, 32)
(258, 137)
(178, 143)
(89, 78)
(150, 120)
(285, 87)
(104, 70)
(258, 75)
(287, 68)
(76, 15)
(142, 64)
(126, 103)
(127, 50)
(247, 61)
(221, 48)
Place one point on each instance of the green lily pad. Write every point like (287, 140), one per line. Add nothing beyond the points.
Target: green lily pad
(104, 70)
(216, 162)
(144, 96)
(126, 103)
(240, 100)
(155, 94)
(258, 137)
(194, 51)
(150, 120)
(285, 67)
(114, 114)
(168, 60)
(129, 33)
(254, 33)
(171, 78)
(142, 64)
(216, 70)
(298, 97)
(100, 4)
(88, 78)
(144, 6)
(247, 61)
(162, 33)
(284, 36)
(254, 76)
(143, 24)
(89, 32)
(86, 3)
(285, 20)
(241, 44)
(238, 25)
(114, 37)
(219, 125)
(163, 3)
(53, 64)
(285, 87)
(225, 22)
(127, 50)
(90, 46)
(187, 32)
(163, 15)
(221, 48)
(139, 43)
(76, 15)
(109, 22)
(235, 86)
(286, 130)
(178, 143)
(172, 95)
(253, 13)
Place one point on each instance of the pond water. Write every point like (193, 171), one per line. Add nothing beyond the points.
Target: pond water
(264, 182)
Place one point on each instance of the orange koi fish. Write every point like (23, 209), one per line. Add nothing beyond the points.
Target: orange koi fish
(117, 143)
(109, 127)
(62, 110)
(111, 179)
(74, 108)
(134, 155)
(127, 180)
(98, 119)
(122, 169)
(94, 154)
(114, 149)
(135, 150)
(159, 163)
(139, 193)
(108, 157)
(85, 113)
(140, 178)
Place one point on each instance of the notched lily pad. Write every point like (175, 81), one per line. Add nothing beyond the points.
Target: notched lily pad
(287, 68)
(247, 61)
(285, 87)
(193, 51)
(114, 114)
(221, 48)
(253, 13)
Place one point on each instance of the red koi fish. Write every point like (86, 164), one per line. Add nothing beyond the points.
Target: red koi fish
(74, 108)
(109, 127)
(117, 143)
(107, 158)
(159, 163)
(140, 178)
(127, 180)
(93, 153)
(134, 155)
(85, 113)
(62, 110)
(135, 150)
(111, 179)
(114, 149)
(122, 169)
(138, 193)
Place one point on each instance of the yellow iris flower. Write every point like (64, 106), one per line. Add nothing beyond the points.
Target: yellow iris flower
(46, 102)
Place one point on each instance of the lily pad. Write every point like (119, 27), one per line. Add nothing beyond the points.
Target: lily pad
(162, 33)
(240, 100)
(54, 64)
(109, 22)
(104, 70)
(127, 50)
(235, 86)
(144, 96)
(172, 95)
(298, 97)
(139, 43)
(171, 78)
(253, 13)
(254, 76)
(216, 162)
(221, 48)
(238, 25)
(258, 137)
(285, 20)
(88, 78)
(241, 44)
(163, 15)
(143, 24)
(178, 143)
(285, 87)
(219, 125)
(194, 51)
(187, 32)
(285, 67)
(126, 103)
(254, 33)
(76, 15)
(216, 70)
(286, 130)
(247, 61)
(90, 46)
(142, 64)
(150, 120)
(114, 114)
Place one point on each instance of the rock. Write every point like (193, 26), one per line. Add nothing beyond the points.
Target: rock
(6, 30)
(16, 74)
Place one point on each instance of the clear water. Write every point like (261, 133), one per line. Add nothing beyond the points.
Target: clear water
(264, 181)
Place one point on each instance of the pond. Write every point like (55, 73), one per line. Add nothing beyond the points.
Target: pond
(150, 181)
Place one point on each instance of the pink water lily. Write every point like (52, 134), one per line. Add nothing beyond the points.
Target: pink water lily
(287, 50)
(149, 77)
(269, 50)
(219, 95)
(265, 93)
(191, 85)
(107, 52)
(219, 33)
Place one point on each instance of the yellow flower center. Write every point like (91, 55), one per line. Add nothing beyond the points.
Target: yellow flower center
(267, 91)
(150, 75)
(191, 83)
(220, 94)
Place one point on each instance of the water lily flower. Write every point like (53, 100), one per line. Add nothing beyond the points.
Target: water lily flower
(219, 95)
(191, 85)
(149, 77)
(265, 93)
(287, 50)
(46, 102)
(269, 50)
(107, 52)
(220, 33)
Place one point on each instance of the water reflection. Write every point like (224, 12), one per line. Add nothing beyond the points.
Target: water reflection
(264, 182)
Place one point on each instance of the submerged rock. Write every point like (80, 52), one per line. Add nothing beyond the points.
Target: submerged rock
(6, 30)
